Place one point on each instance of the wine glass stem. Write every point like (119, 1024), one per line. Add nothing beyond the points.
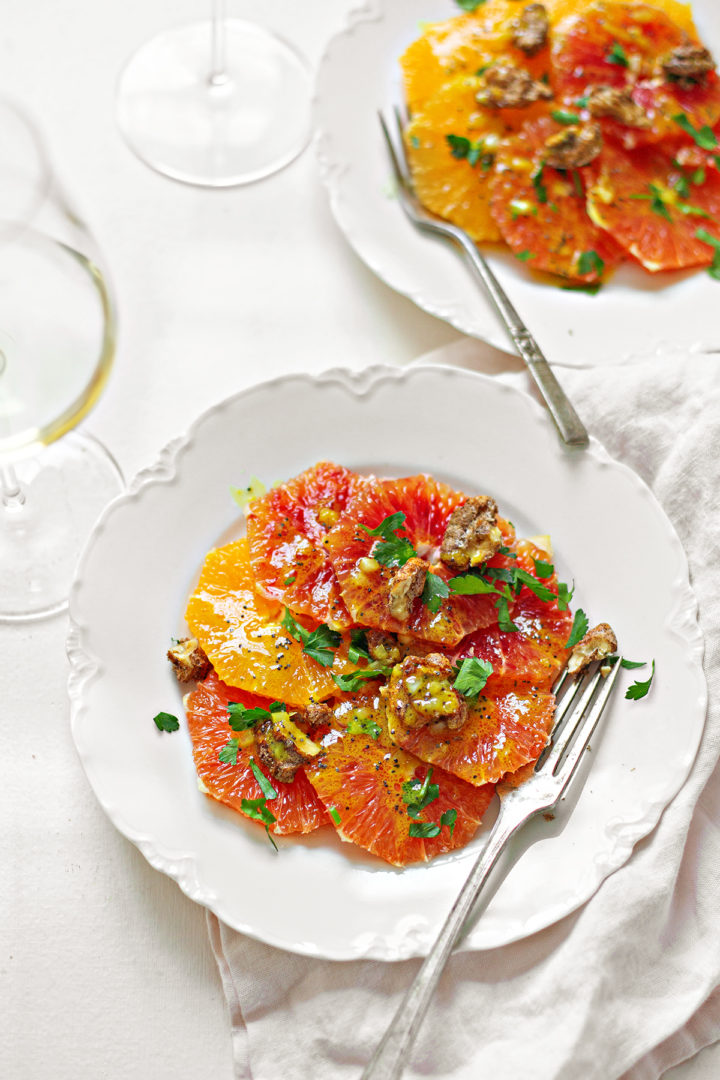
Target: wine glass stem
(218, 67)
(10, 491)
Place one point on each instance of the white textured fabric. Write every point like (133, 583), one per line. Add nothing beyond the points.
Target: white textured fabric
(626, 986)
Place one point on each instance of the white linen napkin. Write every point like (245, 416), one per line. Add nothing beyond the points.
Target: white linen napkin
(624, 987)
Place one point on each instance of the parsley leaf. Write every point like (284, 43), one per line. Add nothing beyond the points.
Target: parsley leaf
(537, 183)
(241, 718)
(577, 184)
(579, 628)
(394, 550)
(708, 238)
(358, 646)
(363, 727)
(639, 689)
(228, 754)
(449, 818)
(682, 186)
(354, 680)
(472, 674)
(591, 290)
(470, 585)
(582, 102)
(318, 644)
(703, 136)
(165, 721)
(565, 595)
(417, 794)
(591, 263)
(459, 145)
(630, 664)
(469, 5)
(524, 256)
(434, 592)
(696, 211)
(334, 815)
(505, 623)
(563, 117)
(541, 591)
(265, 786)
(423, 829)
(289, 580)
(258, 811)
(543, 569)
(617, 55)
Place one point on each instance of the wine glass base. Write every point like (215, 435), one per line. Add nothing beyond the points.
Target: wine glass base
(43, 532)
(216, 131)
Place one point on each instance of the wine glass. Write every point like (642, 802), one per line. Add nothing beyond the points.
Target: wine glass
(217, 103)
(57, 342)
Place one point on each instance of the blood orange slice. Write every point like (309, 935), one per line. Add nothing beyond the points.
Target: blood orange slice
(499, 735)
(360, 780)
(242, 634)
(639, 198)
(296, 809)
(365, 584)
(285, 529)
(541, 211)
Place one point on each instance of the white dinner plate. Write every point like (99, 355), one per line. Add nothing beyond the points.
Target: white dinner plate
(635, 316)
(317, 895)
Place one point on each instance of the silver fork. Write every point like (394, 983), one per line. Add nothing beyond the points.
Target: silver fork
(567, 421)
(576, 717)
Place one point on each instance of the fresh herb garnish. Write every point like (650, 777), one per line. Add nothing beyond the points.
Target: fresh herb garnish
(257, 810)
(591, 263)
(563, 117)
(165, 721)
(565, 595)
(334, 815)
(537, 183)
(417, 794)
(592, 289)
(639, 689)
(582, 102)
(708, 238)
(632, 664)
(579, 628)
(541, 591)
(470, 585)
(449, 818)
(265, 786)
(427, 829)
(472, 675)
(289, 580)
(241, 717)
(356, 726)
(394, 550)
(228, 754)
(464, 148)
(459, 145)
(617, 55)
(682, 186)
(698, 177)
(434, 592)
(703, 136)
(543, 569)
(505, 623)
(318, 644)
(354, 680)
(578, 184)
(524, 256)
(469, 5)
(656, 200)
(358, 648)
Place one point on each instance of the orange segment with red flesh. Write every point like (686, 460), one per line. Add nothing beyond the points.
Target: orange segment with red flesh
(462, 46)
(297, 808)
(244, 639)
(427, 505)
(360, 780)
(541, 211)
(623, 45)
(285, 530)
(635, 197)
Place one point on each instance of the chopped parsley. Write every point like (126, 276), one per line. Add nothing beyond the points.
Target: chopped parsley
(578, 184)
(427, 829)
(257, 809)
(354, 680)
(537, 183)
(472, 675)
(289, 580)
(319, 644)
(469, 5)
(592, 289)
(394, 550)
(582, 102)
(241, 717)
(228, 754)
(708, 238)
(165, 721)
(505, 623)
(639, 689)
(358, 648)
(334, 815)
(579, 628)
(703, 136)
(591, 263)
(617, 55)
(524, 256)
(563, 117)
(656, 200)
(543, 569)
(472, 152)
(682, 186)
(265, 786)
(434, 592)
(631, 664)
(417, 794)
(368, 726)
(565, 595)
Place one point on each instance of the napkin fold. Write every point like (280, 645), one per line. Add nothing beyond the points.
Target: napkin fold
(627, 986)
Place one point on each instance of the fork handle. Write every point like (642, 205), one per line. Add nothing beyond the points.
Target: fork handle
(390, 1057)
(570, 426)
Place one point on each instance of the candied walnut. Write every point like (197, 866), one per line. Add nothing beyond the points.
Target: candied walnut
(281, 757)
(420, 691)
(471, 535)
(382, 646)
(188, 660)
(616, 103)
(573, 147)
(689, 64)
(598, 643)
(318, 714)
(530, 30)
(406, 584)
(508, 87)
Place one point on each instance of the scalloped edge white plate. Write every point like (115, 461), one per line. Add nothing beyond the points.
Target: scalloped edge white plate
(318, 896)
(635, 316)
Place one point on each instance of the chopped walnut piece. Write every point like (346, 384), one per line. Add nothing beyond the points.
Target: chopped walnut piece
(188, 660)
(598, 643)
(421, 692)
(382, 646)
(319, 714)
(508, 87)
(689, 64)
(281, 757)
(472, 535)
(406, 584)
(530, 29)
(616, 103)
(574, 147)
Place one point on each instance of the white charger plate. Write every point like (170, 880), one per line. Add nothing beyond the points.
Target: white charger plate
(635, 316)
(318, 896)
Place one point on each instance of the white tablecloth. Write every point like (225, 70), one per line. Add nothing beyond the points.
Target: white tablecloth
(105, 967)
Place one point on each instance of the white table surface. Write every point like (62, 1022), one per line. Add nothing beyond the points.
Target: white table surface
(105, 967)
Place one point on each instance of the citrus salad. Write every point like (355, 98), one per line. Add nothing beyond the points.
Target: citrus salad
(374, 656)
(580, 133)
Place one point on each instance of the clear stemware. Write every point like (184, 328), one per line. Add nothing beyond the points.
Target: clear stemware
(57, 343)
(216, 103)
